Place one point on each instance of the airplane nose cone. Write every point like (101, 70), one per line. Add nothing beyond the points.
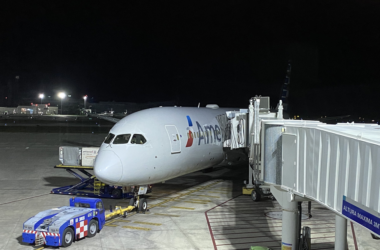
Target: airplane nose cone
(108, 167)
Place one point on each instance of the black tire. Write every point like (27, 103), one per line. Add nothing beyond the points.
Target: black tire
(92, 228)
(255, 196)
(143, 205)
(125, 214)
(67, 237)
(116, 193)
(132, 202)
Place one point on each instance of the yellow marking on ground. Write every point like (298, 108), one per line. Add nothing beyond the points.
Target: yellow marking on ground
(160, 204)
(207, 196)
(188, 208)
(110, 225)
(187, 193)
(195, 202)
(147, 223)
(138, 228)
(200, 200)
(125, 221)
(40, 248)
(170, 215)
(218, 192)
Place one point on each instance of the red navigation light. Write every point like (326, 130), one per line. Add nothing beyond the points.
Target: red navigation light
(31, 103)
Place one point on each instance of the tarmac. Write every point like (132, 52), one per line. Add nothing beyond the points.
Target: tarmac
(195, 211)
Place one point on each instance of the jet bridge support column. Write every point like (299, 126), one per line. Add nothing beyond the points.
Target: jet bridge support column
(340, 233)
(289, 224)
(289, 218)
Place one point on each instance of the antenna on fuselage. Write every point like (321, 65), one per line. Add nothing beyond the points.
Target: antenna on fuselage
(199, 104)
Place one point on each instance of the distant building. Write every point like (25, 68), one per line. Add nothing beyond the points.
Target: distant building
(40, 109)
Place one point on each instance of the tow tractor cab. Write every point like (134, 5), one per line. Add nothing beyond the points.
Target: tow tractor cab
(61, 226)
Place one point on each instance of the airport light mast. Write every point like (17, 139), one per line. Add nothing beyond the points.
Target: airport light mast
(85, 98)
(61, 95)
(41, 96)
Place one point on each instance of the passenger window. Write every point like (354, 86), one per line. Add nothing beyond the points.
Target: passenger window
(122, 139)
(138, 139)
(109, 138)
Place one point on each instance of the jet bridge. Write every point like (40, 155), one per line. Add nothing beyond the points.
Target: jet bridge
(337, 166)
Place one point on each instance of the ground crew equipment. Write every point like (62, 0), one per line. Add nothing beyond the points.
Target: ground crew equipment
(61, 226)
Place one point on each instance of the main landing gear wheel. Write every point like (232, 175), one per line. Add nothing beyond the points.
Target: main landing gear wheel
(93, 228)
(143, 205)
(255, 195)
(68, 237)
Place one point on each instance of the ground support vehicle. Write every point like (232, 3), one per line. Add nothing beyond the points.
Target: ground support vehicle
(61, 226)
(83, 218)
(89, 186)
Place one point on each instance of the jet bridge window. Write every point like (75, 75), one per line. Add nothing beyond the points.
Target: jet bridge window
(109, 138)
(138, 139)
(122, 139)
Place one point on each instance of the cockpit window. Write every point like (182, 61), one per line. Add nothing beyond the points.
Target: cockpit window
(138, 139)
(122, 139)
(109, 138)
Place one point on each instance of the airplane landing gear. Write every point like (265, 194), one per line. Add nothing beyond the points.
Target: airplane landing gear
(138, 201)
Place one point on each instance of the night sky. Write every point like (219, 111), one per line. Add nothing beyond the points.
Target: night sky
(220, 52)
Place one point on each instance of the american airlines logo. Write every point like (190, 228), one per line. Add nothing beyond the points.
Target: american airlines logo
(206, 134)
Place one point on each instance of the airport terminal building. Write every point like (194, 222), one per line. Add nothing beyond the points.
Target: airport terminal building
(40, 109)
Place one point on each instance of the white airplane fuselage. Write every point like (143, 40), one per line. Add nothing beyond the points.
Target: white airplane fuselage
(173, 141)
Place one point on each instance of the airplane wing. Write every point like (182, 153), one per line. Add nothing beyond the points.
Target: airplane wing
(107, 118)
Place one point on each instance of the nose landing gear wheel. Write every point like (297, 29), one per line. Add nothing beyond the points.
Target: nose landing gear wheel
(143, 205)
(132, 202)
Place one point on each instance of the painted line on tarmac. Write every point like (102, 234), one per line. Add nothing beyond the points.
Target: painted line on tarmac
(200, 200)
(147, 223)
(187, 193)
(24, 199)
(195, 202)
(188, 208)
(111, 224)
(169, 215)
(138, 228)
(206, 195)
(111, 221)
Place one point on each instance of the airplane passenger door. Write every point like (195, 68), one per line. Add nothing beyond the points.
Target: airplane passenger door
(174, 138)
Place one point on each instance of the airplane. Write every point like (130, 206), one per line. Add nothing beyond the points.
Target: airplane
(158, 144)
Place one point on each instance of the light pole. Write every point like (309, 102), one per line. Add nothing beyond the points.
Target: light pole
(41, 96)
(61, 95)
(85, 98)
